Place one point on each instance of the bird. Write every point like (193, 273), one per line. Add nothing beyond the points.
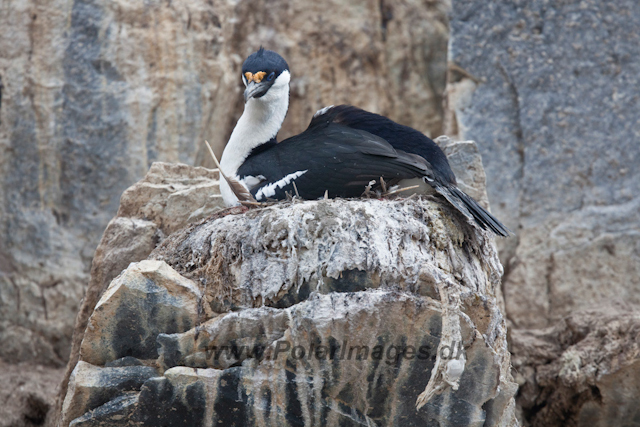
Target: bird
(343, 152)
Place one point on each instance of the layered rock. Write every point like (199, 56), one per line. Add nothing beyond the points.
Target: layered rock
(168, 198)
(324, 312)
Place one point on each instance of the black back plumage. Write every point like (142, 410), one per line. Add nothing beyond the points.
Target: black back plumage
(337, 159)
(399, 136)
(409, 140)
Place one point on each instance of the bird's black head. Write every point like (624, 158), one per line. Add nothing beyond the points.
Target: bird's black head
(261, 70)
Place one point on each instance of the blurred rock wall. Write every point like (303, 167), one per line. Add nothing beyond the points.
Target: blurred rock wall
(550, 91)
(92, 92)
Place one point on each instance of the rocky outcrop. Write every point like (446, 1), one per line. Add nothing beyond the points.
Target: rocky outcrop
(549, 91)
(388, 300)
(92, 92)
(304, 313)
(170, 197)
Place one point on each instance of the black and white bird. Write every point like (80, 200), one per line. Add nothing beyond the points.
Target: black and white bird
(343, 150)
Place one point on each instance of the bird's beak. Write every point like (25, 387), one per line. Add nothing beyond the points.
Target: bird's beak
(255, 90)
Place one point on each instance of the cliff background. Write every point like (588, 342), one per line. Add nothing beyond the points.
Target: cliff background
(93, 92)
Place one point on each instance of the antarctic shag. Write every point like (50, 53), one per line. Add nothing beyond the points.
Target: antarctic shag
(342, 151)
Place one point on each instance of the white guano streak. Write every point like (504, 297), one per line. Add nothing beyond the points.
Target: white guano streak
(270, 189)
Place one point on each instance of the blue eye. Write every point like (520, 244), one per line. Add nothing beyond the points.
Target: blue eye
(271, 76)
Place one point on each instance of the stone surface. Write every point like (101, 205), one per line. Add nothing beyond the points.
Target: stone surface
(147, 299)
(392, 301)
(549, 90)
(92, 92)
(172, 195)
(116, 412)
(92, 387)
(583, 371)
(28, 394)
(466, 162)
(90, 98)
(167, 198)
(339, 389)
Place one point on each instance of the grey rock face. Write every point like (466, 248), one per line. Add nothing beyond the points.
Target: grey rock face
(145, 300)
(166, 199)
(325, 382)
(116, 412)
(466, 162)
(549, 91)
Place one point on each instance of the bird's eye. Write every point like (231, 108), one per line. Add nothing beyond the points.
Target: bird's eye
(271, 76)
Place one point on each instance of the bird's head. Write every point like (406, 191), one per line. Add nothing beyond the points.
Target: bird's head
(265, 75)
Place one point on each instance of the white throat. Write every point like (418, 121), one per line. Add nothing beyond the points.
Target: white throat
(260, 121)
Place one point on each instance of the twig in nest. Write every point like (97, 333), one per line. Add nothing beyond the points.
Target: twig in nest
(399, 190)
(326, 194)
(246, 203)
(295, 187)
(238, 189)
(383, 185)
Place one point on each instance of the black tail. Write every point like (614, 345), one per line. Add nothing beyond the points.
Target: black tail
(471, 209)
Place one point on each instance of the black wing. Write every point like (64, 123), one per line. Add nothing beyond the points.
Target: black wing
(399, 136)
(329, 158)
(409, 140)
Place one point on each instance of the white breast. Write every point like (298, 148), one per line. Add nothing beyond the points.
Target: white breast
(259, 123)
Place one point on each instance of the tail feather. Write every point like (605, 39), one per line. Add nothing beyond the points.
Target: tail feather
(472, 210)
